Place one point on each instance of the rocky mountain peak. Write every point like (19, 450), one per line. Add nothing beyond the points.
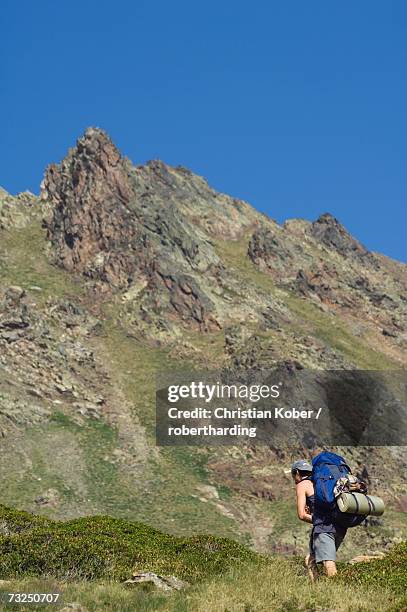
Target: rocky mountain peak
(122, 227)
(92, 170)
(154, 233)
(97, 146)
(331, 232)
(89, 193)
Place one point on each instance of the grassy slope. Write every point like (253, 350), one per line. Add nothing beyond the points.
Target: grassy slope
(88, 558)
(134, 368)
(23, 263)
(278, 585)
(97, 483)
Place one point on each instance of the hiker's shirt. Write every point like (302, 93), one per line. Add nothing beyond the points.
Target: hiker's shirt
(323, 523)
(310, 500)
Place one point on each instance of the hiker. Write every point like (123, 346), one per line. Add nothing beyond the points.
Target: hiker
(326, 535)
(301, 472)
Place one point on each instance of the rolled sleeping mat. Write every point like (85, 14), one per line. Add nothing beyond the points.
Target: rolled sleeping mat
(358, 503)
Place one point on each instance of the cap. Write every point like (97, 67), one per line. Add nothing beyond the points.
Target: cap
(301, 465)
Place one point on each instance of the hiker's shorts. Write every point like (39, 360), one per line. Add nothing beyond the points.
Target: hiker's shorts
(325, 545)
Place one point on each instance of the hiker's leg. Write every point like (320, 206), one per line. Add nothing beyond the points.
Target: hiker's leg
(325, 552)
(331, 546)
(311, 566)
(330, 568)
(309, 560)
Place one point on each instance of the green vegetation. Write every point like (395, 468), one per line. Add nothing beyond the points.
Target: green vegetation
(79, 472)
(23, 262)
(101, 547)
(244, 584)
(390, 572)
(334, 332)
(134, 368)
(233, 253)
(285, 515)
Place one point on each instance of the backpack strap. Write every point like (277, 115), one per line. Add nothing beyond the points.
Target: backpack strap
(357, 503)
(371, 503)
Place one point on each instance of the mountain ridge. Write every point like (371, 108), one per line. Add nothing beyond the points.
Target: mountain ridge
(117, 271)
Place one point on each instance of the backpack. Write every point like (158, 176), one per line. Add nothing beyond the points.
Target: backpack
(327, 468)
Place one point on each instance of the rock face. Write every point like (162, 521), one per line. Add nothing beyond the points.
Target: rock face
(16, 212)
(323, 262)
(270, 251)
(123, 227)
(328, 230)
(43, 358)
(90, 195)
(148, 231)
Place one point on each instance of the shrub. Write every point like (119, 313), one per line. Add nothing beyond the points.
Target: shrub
(101, 547)
(390, 572)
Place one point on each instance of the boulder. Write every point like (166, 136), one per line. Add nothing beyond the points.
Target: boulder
(165, 583)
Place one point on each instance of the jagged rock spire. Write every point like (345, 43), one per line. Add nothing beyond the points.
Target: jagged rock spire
(331, 232)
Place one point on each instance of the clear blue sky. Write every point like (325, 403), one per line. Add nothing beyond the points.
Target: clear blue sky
(297, 107)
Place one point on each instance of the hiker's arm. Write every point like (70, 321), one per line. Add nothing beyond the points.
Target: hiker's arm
(302, 510)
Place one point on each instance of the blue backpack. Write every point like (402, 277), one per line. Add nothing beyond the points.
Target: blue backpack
(327, 468)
